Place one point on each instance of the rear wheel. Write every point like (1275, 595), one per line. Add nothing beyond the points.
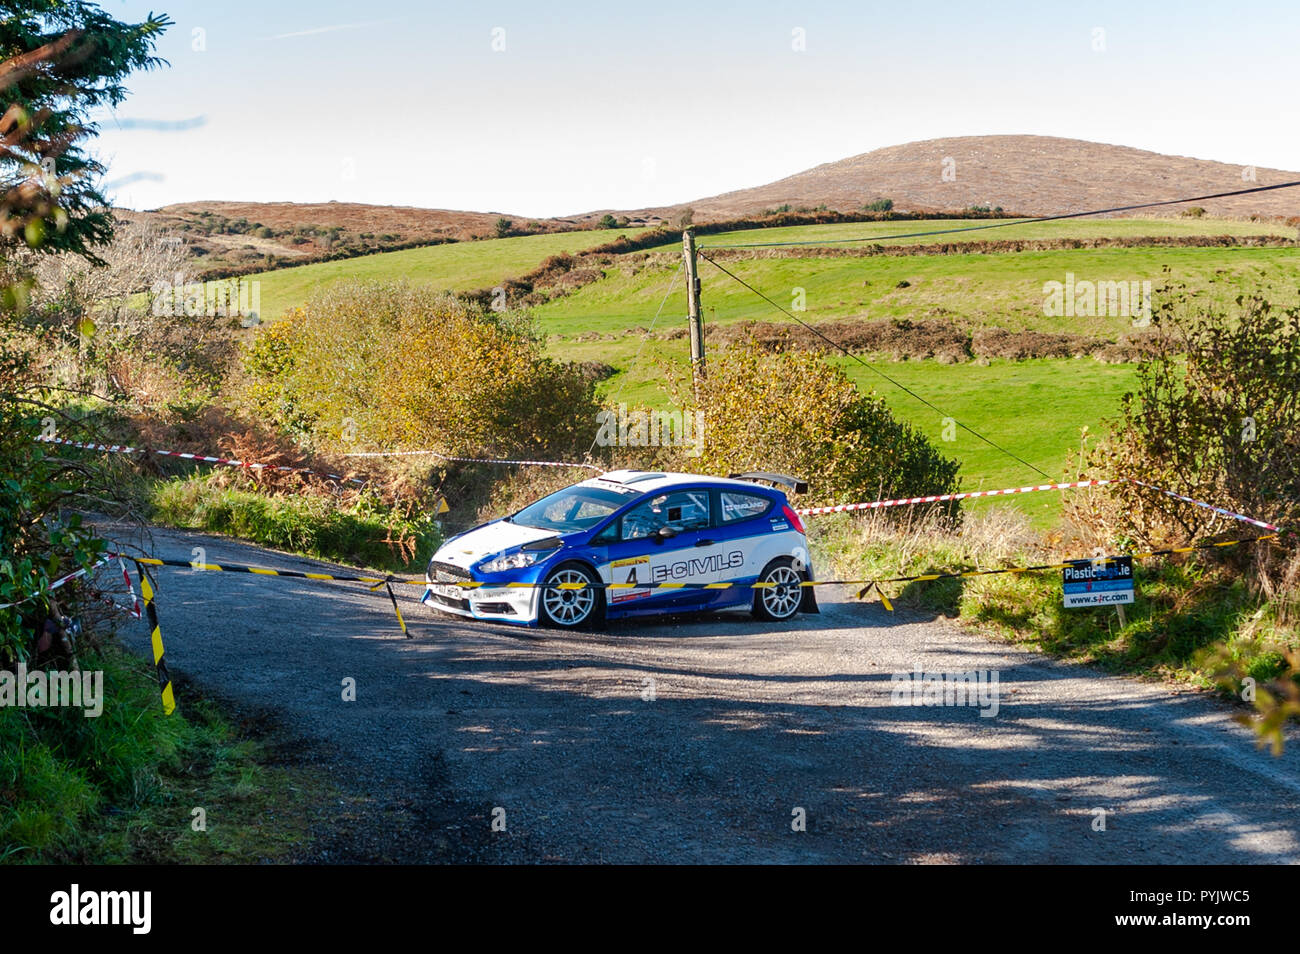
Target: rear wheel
(780, 600)
(570, 597)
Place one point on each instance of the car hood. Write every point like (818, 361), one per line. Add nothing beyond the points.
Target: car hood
(469, 548)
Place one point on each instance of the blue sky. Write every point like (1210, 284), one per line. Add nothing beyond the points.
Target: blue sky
(608, 105)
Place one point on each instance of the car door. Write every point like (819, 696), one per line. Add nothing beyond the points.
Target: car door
(741, 530)
(640, 554)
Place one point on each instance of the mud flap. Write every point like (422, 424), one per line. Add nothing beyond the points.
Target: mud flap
(808, 602)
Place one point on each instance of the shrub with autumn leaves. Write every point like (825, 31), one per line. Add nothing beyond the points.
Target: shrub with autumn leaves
(1214, 415)
(369, 365)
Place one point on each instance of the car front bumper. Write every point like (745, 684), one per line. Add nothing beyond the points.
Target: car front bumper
(514, 604)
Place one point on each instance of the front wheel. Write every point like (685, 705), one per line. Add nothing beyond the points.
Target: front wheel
(571, 597)
(780, 599)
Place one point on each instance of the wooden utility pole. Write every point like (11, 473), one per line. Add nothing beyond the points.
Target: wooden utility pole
(693, 310)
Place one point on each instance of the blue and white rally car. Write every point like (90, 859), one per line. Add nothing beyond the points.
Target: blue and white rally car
(631, 527)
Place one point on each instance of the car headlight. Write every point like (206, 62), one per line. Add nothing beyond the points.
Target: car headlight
(513, 561)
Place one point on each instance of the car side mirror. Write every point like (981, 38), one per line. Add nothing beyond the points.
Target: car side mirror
(665, 533)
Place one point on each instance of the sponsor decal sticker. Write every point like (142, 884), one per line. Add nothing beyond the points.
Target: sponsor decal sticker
(629, 570)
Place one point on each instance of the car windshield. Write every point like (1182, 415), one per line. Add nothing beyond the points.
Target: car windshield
(573, 508)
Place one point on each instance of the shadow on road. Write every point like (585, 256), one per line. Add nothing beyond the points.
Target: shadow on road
(701, 739)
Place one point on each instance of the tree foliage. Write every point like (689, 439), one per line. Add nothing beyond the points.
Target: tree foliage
(63, 60)
(38, 542)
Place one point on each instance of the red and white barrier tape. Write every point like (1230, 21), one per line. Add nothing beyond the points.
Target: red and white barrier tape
(57, 583)
(940, 498)
(198, 458)
(475, 460)
(107, 600)
(134, 609)
(804, 512)
(1200, 503)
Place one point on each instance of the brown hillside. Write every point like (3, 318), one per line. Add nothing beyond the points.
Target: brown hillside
(351, 216)
(1026, 175)
(1032, 175)
(229, 237)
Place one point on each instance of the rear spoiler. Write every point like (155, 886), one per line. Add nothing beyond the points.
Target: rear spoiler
(793, 484)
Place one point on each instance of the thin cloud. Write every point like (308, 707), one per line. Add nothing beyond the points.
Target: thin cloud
(134, 178)
(162, 125)
(330, 29)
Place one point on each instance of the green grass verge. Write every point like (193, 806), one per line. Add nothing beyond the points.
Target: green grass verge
(122, 787)
(1192, 614)
(1187, 618)
(363, 534)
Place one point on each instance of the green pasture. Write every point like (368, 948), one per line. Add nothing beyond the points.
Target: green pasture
(1005, 290)
(1059, 229)
(470, 265)
(461, 266)
(1035, 409)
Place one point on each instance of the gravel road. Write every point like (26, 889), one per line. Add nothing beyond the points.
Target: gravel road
(706, 739)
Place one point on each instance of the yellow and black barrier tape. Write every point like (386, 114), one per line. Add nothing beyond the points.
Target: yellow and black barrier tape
(155, 637)
(267, 571)
(375, 582)
(396, 609)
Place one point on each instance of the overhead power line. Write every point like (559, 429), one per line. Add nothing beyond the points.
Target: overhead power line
(877, 371)
(969, 228)
(1011, 222)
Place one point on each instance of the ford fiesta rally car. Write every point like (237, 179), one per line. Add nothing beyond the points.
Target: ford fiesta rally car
(631, 527)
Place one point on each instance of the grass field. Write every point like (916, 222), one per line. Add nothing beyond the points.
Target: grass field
(471, 265)
(1033, 408)
(463, 266)
(1004, 290)
(1065, 228)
